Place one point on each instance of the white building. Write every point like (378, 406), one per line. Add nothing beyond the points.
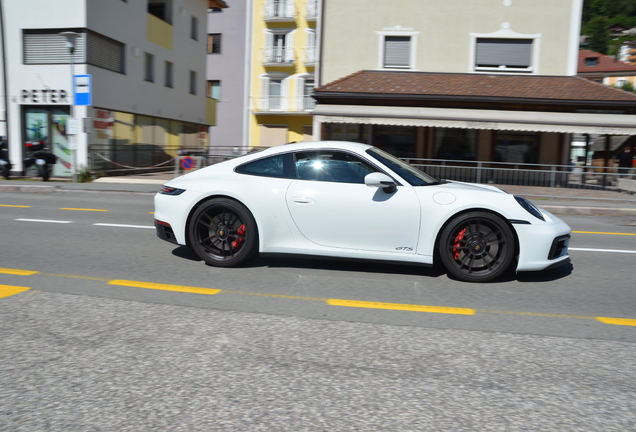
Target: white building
(146, 60)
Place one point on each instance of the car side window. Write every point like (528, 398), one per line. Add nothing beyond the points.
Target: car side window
(280, 166)
(332, 166)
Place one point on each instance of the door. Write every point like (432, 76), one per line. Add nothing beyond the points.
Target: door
(331, 205)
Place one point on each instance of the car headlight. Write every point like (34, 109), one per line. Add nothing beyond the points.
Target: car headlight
(167, 190)
(530, 208)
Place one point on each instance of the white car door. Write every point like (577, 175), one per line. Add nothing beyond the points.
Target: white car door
(331, 205)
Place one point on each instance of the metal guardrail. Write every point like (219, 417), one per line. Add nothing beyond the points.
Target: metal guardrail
(129, 159)
(579, 177)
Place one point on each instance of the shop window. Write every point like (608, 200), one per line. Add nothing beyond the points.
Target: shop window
(397, 140)
(517, 147)
(455, 144)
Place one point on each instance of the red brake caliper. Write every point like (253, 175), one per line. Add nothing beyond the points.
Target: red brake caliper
(236, 244)
(456, 243)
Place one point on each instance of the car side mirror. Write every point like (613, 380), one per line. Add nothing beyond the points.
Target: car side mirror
(380, 180)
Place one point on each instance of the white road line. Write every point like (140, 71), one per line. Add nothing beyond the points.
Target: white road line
(43, 220)
(603, 250)
(123, 226)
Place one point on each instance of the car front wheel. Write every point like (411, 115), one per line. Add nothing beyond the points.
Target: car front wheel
(477, 247)
(223, 233)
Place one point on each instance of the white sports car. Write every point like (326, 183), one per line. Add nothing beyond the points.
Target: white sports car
(349, 200)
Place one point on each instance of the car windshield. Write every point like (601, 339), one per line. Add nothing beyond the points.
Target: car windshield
(411, 174)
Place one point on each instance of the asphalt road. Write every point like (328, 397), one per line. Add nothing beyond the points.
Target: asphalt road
(153, 339)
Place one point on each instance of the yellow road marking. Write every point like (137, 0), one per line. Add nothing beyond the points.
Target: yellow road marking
(156, 286)
(397, 306)
(9, 290)
(82, 209)
(617, 321)
(606, 233)
(17, 272)
(8, 205)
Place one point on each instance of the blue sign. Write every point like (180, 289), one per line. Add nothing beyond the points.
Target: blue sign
(83, 90)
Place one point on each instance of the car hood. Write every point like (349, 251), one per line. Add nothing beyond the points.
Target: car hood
(454, 185)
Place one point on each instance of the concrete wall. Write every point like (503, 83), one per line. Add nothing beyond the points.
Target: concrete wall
(444, 30)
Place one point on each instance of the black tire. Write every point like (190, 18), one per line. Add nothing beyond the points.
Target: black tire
(44, 171)
(6, 171)
(223, 233)
(477, 247)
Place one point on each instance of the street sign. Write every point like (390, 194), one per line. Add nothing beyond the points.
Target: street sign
(187, 163)
(83, 90)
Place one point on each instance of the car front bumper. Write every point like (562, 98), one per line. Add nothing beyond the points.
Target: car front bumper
(543, 245)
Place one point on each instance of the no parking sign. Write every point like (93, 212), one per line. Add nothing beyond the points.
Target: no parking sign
(187, 163)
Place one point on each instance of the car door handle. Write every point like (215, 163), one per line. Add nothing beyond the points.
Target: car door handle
(303, 200)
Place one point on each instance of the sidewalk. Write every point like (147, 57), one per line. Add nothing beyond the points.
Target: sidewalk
(562, 201)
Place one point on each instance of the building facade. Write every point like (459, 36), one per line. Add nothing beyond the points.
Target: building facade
(228, 59)
(147, 81)
(284, 59)
(401, 80)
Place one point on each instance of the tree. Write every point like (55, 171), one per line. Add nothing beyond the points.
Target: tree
(599, 37)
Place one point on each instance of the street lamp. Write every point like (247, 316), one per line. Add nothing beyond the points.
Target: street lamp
(70, 44)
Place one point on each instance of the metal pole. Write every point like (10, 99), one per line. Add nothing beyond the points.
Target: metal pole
(73, 137)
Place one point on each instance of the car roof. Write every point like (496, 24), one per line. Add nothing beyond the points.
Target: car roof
(311, 145)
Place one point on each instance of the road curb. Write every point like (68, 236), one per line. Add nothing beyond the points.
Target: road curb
(589, 211)
(29, 188)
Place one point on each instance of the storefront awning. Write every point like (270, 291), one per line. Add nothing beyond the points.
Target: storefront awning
(584, 123)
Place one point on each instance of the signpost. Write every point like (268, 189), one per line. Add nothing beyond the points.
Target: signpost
(82, 90)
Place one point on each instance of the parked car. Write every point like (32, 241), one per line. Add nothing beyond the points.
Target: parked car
(350, 200)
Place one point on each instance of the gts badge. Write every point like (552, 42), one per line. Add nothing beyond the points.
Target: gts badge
(404, 248)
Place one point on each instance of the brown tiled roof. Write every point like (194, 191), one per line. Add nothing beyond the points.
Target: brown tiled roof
(605, 64)
(473, 86)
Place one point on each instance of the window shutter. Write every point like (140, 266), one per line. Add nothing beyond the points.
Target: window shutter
(511, 53)
(397, 51)
(50, 48)
(104, 52)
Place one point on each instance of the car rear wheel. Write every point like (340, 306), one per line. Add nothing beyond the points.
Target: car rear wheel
(223, 233)
(477, 247)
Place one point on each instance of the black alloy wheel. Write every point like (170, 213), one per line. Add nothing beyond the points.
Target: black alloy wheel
(477, 247)
(223, 233)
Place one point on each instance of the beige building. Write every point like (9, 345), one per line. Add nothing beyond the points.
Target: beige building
(429, 80)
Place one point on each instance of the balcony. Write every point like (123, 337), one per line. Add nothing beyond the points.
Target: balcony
(310, 55)
(311, 10)
(279, 11)
(282, 104)
(278, 56)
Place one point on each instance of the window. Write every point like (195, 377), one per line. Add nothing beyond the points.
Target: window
(162, 9)
(397, 48)
(194, 24)
(215, 10)
(48, 47)
(214, 89)
(193, 82)
(149, 71)
(169, 75)
(279, 48)
(516, 147)
(591, 61)
(281, 166)
(104, 52)
(397, 140)
(397, 52)
(504, 54)
(455, 144)
(332, 166)
(214, 43)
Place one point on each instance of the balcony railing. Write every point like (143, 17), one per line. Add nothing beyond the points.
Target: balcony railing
(278, 56)
(283, 104)
(311, 10)
(311, 56)
(279, 10)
